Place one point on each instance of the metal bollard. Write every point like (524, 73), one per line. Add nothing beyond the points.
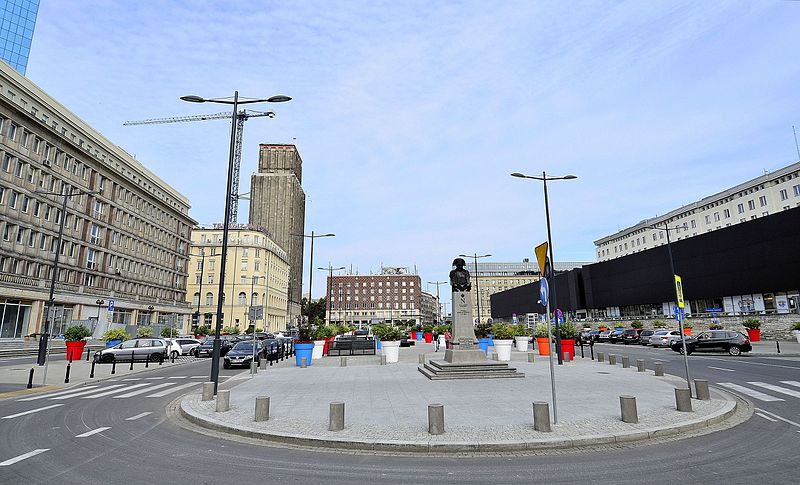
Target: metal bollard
(173, 357)
(131, 360)
(641, 366)
(627, 405)
(223, 401)
(591, 348)
(91, 374)
(342, 361)
(530, 356)
(541, 417)
(612, 359)
(262, 408)
(435, 418)
(30, 379)
(659, 368)
(600, 356)
(383, 360)
(626, 362)
(701, 389)
(303, 363)
(271, 361)
(336, 417)
(208, 391)
(778, 346)
(421, 358)
(87, 353)
(582, 356)
(69, 366)
(683, 400)
(113, 367)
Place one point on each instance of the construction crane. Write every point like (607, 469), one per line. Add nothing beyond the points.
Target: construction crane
(242, 116)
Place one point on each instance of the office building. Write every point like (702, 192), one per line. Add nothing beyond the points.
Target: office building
(429, 309)
(17, 21)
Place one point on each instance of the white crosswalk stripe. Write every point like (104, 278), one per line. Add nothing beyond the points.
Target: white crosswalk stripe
(178, 377)
(54, 394)
(791, 383)
(142, 391)
(78, 394)
(750, 392)
(173, 389)
(141, 415)
(772, 387)
(92, 432)
(114, 391)
(25, 413)
(24, 456)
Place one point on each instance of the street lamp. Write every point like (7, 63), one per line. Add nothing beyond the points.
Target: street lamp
(475, 258)
(229, 188)
(544, 178)
(313, 236)
(43, 338)
(99, 302)
(330, 269)
(438, 302)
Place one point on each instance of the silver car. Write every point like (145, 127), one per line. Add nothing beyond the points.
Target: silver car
(664, 338)
(152, 349)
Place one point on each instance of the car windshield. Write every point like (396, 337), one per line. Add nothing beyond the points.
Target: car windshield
(661, 332)
(244, 346)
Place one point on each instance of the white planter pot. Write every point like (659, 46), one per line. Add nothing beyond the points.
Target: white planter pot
(316, 353)
(503, 349)
(796, 335)
(442, 342)
(522, 343)
(391, 350)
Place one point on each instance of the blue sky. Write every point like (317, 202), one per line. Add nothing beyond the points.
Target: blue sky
(410, 115)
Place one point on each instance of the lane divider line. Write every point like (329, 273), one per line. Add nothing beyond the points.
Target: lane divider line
(31, 411)
(141, 415)
(750, 392)
(19, 458)
(721, 368)
(94, 431)
(142, 391)
(54, 394)
(767, 417)
(179, 377)
(779, 417)
(114, 391)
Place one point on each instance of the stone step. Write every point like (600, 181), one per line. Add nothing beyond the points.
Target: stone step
(439, 376)
(467, 369)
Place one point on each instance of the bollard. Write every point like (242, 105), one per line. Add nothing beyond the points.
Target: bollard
(147, 361)
(659, 368)
(701, 389)
(495, 356)
(683, 400)
(421, 358)
(530, 356)
(262, 408)
(626, 362)
(91, 374)
(541, 416)
(591, 348)
(87, 353)
(627, 406)
(567, 357)
(254, 367)
(778, 345)
(383, 360)
(173, 357)
(435, 418)
(342, 361)
(262, 363)
(336, 418)
(271, 361)
(600, 356)
(30, 379)
(303, 363)
(131, 360)
(223, 401)
(69, 365)
(582, 356)
(641, 366)
(114, 366)
(612, 359)
(208, 391)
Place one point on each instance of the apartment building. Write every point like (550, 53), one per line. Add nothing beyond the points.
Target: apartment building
(393, 296)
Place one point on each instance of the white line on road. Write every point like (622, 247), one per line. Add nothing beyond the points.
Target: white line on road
(142, 391)
(134, 418)
(772, 387)
(767, 417)
(154, 378)
(791, 383)
(179, 377)
(198, 377)
(750, 392)
(29, 454)
(34, 398)
(778, 417)
(133, 379)
(83, 393)
(173, 389)
(721, 368)
(739, 361)
(31, 411)
(94, 431)
(115, 391)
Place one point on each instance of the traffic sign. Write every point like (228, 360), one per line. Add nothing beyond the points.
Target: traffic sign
(256, 313)
(541, 257)
(679, 290)
(544, 291)
(110, 304)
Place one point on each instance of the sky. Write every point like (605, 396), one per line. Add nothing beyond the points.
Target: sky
(410, 115)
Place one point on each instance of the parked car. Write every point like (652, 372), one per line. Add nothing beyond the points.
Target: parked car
(664, 338)
(615, 336)
(588, 335)
(188, 344)
(206, 348)
(720, 340)
(604, 335)
(406, 341)
(152, 349)
(631, 335)
(274, 349)
(242, 354)
(644, 337)
(173, 347)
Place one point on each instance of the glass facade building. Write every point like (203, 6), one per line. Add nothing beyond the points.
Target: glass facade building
(17, 20)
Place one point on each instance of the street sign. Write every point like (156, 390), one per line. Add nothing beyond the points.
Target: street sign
(544, 291)
(679, 290)
(541, 257)
(256, 313)
(110, 304)
(514, 318)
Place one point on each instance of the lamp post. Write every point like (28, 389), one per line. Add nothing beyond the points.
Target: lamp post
(99, 302)
(43, 338)
(229, 188)
(330, 269)
(438, 302)
(475, 257)
(544, 178)
(200, 291)
(313, 236)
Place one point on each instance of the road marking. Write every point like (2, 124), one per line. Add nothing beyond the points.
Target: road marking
(179, 377)
(134, 418)
(142, 391)
(791, 383)
(772, 387)
(750, 392)
(57, 394)
(133, 379)
(778, 417)
(86, 392)
(730, 361)
(31, 411)
(173, 389)
(114, 391)
(721, 368)
(29, 454)
(94, 431)
(198, 377)
(767, 417)
(154, 378)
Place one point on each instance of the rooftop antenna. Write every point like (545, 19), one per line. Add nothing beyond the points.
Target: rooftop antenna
(796, 146)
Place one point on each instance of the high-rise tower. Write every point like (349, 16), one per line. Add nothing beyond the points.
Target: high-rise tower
(278, 204)
(17, 20)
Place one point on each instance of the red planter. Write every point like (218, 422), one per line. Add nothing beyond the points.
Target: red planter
(428, 337)
(328, 340)
(413, 335)
(754, 334)
(75, 349)
(687, 331)
(544, 345)
(568, 345)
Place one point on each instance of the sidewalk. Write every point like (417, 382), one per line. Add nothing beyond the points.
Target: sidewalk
(386, 406)
(789, 348)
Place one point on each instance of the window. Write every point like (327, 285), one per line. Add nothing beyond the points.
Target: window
(90, 259)
(25, 203)
(741, 208)
(784, 194)
(708, 219)
(95, 234)
(18, 169)
(751, 204)
(6, 164)
(796, 189)
(244, 265)
(242, 298)
(716, 217)
(693, 224)
(762, 200)
(196, 299)
(98, 208)
(209, 298)
(210, 279)
(12, 200)
(727, 213)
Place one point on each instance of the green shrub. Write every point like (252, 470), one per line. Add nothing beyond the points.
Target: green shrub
(230, 330)
(715, 326)
(168, 332)
(636, 324)
(659, 324)
(427, 328)
(144, 332)
(520, 330)
(482, 330)
(796, 326)
(619, 325)
(541, 330)
(687, 324)
(387, 333)
(502, 331)
(568, 331)
(115, 334)
(203, 331)
(77, 333)
(752, 323)
(442, 328)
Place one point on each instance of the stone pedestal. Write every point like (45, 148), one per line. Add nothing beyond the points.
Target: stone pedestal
(463, 332)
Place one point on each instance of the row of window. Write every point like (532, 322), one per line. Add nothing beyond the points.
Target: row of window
(371, 306)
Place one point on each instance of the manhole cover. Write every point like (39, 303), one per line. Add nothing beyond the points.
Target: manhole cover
(603, 372)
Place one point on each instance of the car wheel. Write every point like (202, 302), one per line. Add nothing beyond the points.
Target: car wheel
(226, 365)
(155, 357)
(735, 350)
(196, 353)
(108, 358)
(174, 354)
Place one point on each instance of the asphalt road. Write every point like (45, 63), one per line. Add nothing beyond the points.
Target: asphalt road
(151, 447)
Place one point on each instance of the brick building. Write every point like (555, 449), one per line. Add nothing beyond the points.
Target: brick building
(393, 296)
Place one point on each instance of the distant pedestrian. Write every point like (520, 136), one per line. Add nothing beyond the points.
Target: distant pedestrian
(435, 340)
(447, 338)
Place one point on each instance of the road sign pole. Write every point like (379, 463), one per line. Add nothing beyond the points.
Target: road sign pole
(552, 371)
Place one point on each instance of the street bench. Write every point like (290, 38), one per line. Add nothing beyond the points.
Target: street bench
(352, 347)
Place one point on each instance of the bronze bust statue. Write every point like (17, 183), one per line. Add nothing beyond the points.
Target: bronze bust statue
(459, 277)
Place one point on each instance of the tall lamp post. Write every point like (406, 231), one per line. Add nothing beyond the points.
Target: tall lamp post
(99, 302)
(229, 188)
(438, 302)
(330, 269)
(43, 338)
(475, 257)
(544, 178)
(313, 236)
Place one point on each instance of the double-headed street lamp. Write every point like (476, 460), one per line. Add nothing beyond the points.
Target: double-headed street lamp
(313, 236)
(235, 101)
(475, 257)
(330, 269)
(544, 178)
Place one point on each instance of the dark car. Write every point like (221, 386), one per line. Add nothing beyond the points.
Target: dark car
(715, 340)
(407, 341)
(603, 335)
(207, 347)
(275, 349)
(242, 354)
(644, 337)
(631, 335)
(615, 336)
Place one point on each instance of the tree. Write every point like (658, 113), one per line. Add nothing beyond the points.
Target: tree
(317, 309)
